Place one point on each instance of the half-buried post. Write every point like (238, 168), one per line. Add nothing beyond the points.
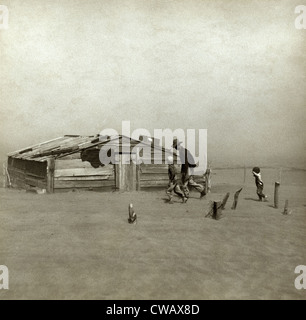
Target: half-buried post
(276, 190)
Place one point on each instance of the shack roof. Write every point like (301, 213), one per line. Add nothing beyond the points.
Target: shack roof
(69, 144)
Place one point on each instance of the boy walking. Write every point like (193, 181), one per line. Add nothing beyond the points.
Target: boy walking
(259, 184)
(173, 184)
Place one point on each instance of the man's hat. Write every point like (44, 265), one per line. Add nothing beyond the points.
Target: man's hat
(176, 143)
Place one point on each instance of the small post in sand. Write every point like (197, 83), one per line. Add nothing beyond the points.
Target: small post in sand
(7, 180)
(276, 189)
(216, 207)
(132, 215)
(217, 210)
(236, 199)
(286, 210)
(211, 210)
(224, 200)
(208, 180)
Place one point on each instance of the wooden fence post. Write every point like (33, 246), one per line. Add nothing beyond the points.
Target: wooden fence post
(138, 171)
(208, 180)
(211, 210)
(50, 175)
(224, 200)
(236, 199)
(138, 177)
(286, 210)
(6, 180)
(217, 210)
(132, 215)
(276, 189)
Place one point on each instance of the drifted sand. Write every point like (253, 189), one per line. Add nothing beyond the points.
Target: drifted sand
(79, 245)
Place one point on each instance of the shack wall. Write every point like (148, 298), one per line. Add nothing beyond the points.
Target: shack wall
(74, 173)
(156, 176)
(27, 174)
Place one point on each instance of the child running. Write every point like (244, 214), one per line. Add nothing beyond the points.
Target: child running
(259, 184)
(173, 184)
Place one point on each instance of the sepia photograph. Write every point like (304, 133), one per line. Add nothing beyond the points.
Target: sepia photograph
(153, 150)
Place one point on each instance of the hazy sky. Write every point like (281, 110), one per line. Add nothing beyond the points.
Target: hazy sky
(236, 68)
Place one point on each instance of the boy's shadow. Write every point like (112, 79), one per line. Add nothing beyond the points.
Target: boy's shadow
(257, 200)
(166, 200)
(175, 199)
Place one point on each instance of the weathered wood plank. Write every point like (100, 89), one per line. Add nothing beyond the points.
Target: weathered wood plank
(16, 173)
(157, 168)
(154, 171)
(138, 178)
(17, 164)
(22, 176)
(58, 184)
(146, 184)
(148, 166)
(102, 189)
(50, 175)
(18, 183)
(36, 168)
(155, 178)
(85, 178)
(35, 146)
(33, 168)
(48, 147)
(73, 156)
(73, 164)
(36, 183)
(12, 177)
(84, 172)
(164, 176)
(154, 174)
(35, 175)
(125, 174)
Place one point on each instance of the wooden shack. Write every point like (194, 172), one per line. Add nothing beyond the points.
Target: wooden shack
(72, 163)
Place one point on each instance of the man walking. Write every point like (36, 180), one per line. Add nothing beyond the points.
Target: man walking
(187, 170)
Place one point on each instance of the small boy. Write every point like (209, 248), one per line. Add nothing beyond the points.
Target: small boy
(259, 184)
(173, 184)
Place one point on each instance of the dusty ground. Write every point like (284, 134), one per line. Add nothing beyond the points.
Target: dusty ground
(80, 246)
